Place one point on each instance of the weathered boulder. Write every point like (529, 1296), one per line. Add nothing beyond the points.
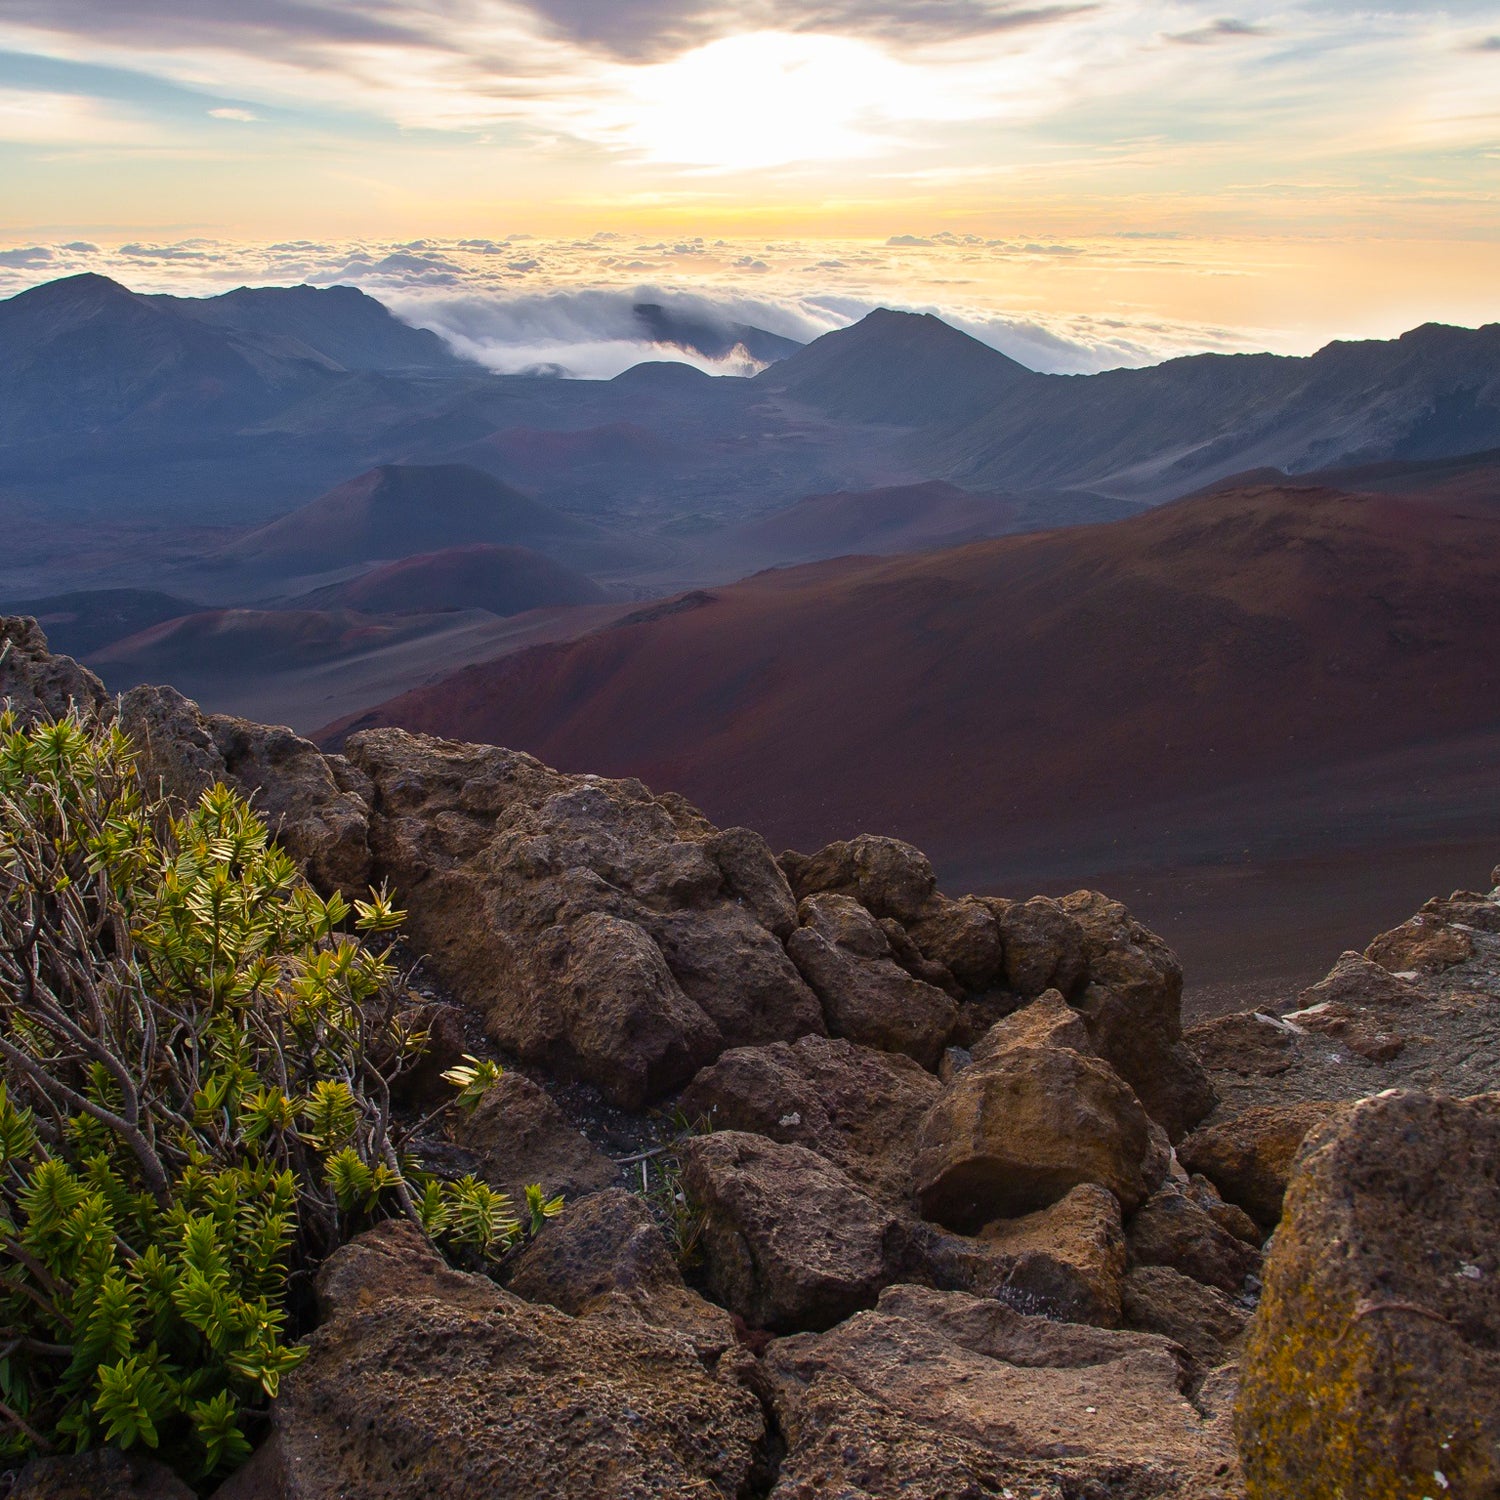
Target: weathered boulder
(1018, 1131)
(1172, 1230)
(434, 1385)
(888, 878)
(1065, 1261)
(100, 1474)
(1043, 945)
(605, 933)
(1157, 1299)
(36, 685)
(990, 1398)
(291, 783)
(1355, 981)
(910, 957)
(517, 1135)
(1249, 1043)
(789, 1241)
(856, 1107)
(1425, 944)
(1132, 1002)
(1228, 1216)
(843, 954)
(1048, 1021)
(964, 937)
(1373, 1363)
(1249, 1157)
(605, 1256)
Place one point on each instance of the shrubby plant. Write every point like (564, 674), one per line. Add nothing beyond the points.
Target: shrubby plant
(196, 1061)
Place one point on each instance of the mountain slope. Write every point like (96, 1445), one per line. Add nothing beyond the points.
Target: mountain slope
(398, 510)
(340, 323)
(502, 580)
(1019, 689)
(907, 369)
(1159, 432)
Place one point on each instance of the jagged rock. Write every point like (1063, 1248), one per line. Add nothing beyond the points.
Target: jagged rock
(101, 1474)
(1043, 946)
(604, 1255)
(964, 937)
(1373, 1363)
(1423, 945)
(1172, 1230)
(1157, 1299)
(1247, 1043)
(1228, 1216)
(1354, 1028)
(790, 1241)
(1249, 1157)
(1133, 1005)
(429, 1384)
(605, 933)
(887, 877)
(517, 1135)
(289, 781)
(990, 1398)
(909, 956)
(1048, 1021)
(1355, 981)
(36, 685)
(1066, 1260)
(1477, 909)
(1018, 1131)
(842, 953)
(856, 1107)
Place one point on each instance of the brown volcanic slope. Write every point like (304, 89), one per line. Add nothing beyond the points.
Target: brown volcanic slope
(1275, 670)
(503, 580)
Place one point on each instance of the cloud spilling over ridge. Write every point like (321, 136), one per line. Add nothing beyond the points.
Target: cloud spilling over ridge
(570, 307)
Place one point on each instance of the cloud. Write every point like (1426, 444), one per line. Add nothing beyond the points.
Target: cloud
(1486, 44)
(248, 117)
(26, 256)
(1226, 29)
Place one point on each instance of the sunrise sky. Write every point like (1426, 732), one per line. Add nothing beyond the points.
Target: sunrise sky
(1126, 179)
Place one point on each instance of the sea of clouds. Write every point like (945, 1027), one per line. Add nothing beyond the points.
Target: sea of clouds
(568, 305)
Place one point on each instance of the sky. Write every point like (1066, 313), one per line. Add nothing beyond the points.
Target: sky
(1083, 183)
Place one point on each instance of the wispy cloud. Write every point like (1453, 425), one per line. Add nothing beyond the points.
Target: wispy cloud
(1226, 29)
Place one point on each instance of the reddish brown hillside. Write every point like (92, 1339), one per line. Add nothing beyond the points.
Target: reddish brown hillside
(503, 580)
(991, 696)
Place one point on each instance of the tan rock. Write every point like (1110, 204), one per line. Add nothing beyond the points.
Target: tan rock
(1373, 1363)
(887, 877)
(842, 953)
(1020, 1130)
(1423, 945)
(517, 1135)
(1048, 1021)
(958, 1377)
(789, 1241)
(1249, 1157)
(1157, 1299)
(605, 1256)
(1132, 1001)
(1171, 1229)
(428, 1384)
(856, 1107)
(1248, 1043)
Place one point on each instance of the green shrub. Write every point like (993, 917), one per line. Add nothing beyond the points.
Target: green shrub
(195, 1109)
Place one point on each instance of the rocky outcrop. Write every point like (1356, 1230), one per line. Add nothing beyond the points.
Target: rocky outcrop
(605, 933)
(1200, 1318)
(36, 685)
(605, 1256)
(1018, 1131)
(845, 956)
(1424, 945)
(1248, 1158)
(1373, 1364)
(940, 1394)
(1132, 1001)
(886, 877)
(854, 1106)
(426, 1383)
(517, 1135)
(790, 1242)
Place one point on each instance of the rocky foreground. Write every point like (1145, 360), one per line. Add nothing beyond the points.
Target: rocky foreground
(965, 1212)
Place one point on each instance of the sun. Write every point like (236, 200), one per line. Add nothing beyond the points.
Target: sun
(763, 99)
